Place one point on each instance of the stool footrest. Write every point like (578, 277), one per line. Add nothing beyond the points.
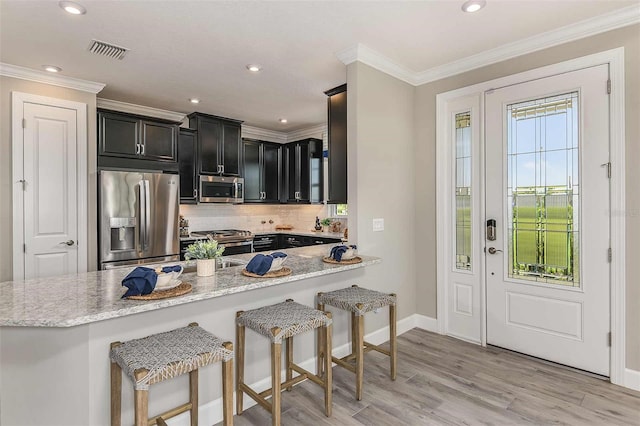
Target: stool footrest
(342, 362)
(309, 375)
(371, 347)
(266, 393)
(170, 413)
(255, 396)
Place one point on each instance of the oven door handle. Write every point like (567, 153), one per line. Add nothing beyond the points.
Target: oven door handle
(237, 244)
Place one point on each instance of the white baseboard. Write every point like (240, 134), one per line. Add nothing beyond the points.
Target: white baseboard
(632, 379)
(211, 412)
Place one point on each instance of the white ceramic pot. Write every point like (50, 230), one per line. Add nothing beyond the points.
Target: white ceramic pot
(205, 267)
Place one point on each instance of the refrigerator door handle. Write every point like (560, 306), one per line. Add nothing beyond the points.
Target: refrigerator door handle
(147, 214)
(142, 209)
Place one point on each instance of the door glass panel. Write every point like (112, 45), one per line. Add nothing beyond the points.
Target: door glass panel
(542, 191)
(463, 190)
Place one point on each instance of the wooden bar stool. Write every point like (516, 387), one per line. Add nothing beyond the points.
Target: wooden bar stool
(278, 322)
(163, 356)
(359, 301)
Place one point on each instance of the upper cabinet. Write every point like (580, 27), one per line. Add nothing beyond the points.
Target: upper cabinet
(337, 124)
(261, 171)
(219, 144)
(187, 166)
(302, 161)
(126, 140)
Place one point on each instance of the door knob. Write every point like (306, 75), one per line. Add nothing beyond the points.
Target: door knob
(493, 250)
(69, 243)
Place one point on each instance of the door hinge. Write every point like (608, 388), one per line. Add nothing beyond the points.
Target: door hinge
(24, 123)
(24, 248)
(609, 339)
(609, 86)
(610, 254)
(24, 184)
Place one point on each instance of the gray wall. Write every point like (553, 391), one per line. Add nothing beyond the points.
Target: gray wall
(8, 85)
(425, 151)
(381, 175)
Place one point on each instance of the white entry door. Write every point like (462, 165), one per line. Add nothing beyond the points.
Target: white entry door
(547, 188)
(50, 191)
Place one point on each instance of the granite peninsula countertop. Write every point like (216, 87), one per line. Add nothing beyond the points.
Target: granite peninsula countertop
(71, 300)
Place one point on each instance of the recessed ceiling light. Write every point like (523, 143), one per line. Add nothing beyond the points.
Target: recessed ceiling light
(283, 120)
(194, 100)
(72, 8)
(473, 5)
(51, 68)
(254, 68)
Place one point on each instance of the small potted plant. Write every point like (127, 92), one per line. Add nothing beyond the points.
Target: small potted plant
(325, 222)
(205, 253)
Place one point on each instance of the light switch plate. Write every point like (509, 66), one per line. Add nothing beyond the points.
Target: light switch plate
(378, 225)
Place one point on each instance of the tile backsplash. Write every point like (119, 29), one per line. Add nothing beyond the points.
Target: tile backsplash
(204, 217)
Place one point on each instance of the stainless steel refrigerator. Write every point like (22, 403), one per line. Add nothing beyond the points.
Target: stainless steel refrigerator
(138, 218)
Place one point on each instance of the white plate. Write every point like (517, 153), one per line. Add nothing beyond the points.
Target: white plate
(169, 285)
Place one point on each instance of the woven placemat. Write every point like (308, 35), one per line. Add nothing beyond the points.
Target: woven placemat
(179, 290)
(351, 261)
(275, 274)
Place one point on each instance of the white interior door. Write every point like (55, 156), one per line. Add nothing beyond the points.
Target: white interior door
(547, 272)
(50, 190)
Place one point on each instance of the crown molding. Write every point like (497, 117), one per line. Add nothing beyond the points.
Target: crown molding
(589, 27)
(311, 132)
(23, 73)
(263, 134)
(366, 55)
(140, 110)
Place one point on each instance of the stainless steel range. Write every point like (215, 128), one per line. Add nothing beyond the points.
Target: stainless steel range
(235, 241)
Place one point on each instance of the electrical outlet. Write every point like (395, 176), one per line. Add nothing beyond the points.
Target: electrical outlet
(378, 225)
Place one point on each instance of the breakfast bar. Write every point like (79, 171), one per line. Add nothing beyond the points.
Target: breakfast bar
(55, 334)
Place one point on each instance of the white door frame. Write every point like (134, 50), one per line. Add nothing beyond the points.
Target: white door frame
(17, 136)
(615, 59)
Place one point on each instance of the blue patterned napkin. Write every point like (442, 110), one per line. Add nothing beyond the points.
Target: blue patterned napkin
(261, 263)
(337, 252)
(140, 281)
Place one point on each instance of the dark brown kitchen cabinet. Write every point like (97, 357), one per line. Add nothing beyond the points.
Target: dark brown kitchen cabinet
(261, 171)
(337, 125)
(187, 166)
(303, 171)
(128, 140)
(219, 145)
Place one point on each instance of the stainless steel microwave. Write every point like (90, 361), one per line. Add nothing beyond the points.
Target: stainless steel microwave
(221, 189)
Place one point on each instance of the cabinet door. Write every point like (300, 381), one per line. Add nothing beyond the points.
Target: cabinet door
(316, 173)
(338, 148)
(187, 166)
(209, 137)
(252, 172)
(159, 141)
(291, 172)
(231, 149)
(119, 135)
(270, 172)
(303, 171)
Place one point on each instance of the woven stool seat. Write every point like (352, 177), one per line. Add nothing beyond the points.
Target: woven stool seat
(169, 354)
(357, 299)
(283, 320)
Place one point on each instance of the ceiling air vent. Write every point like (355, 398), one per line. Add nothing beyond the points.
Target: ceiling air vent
(109, 50)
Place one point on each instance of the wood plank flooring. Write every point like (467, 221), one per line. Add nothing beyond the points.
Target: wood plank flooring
(445, 381)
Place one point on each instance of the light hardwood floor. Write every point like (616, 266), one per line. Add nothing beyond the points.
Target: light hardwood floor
(445, 381)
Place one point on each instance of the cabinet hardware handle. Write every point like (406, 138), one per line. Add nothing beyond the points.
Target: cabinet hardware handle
(195, 193)
(137, 149)
(142, 146)
(222, 169)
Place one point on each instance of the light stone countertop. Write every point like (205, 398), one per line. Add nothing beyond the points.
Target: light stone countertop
(71, 300)
(305, 232)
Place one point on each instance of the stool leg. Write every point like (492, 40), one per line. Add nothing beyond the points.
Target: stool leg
(320, 356)
(393, 347)
(239, 365)
(327, 332)
(354, 334)
(359, 328)
(227, 389)
(193, 396)
(116, 391)
(276, 365)
(288, 359)
(141, 400)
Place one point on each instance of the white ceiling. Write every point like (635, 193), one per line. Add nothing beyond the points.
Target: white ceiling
(184, 49)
